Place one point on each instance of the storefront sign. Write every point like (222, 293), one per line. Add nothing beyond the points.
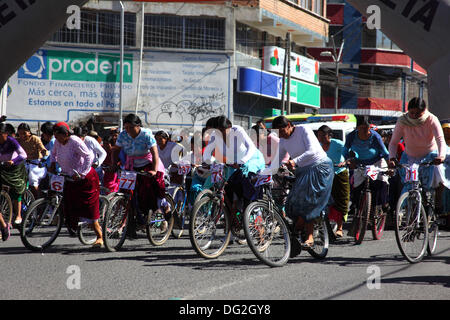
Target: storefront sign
(270, 85)
(302, 68)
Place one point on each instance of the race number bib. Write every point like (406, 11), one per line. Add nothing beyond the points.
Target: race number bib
(57, 183)
(262, 180)
(412, 173)
(372, 172)
(127, 180)
(217, 173)
(184, 168)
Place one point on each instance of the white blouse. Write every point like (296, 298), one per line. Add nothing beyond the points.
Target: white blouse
(302, 146)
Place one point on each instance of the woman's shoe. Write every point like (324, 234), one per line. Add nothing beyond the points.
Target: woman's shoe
(98, 244)
(339, 234)
(307, 245)
(6, 232)
(18, 221)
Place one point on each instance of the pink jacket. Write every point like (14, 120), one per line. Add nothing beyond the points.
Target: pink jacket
(420, 140)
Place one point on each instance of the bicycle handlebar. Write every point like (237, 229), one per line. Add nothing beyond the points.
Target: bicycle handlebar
(407, 166)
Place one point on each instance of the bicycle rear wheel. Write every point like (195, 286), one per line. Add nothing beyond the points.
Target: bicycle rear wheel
(321, 239)
(159, 224)
(411, 233)
(362, 216)
(267, 234)
(86, 233)
(115, 223)
(41, 225)
(209, 228)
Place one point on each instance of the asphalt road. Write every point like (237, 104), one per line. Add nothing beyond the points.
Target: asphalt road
(371, 271)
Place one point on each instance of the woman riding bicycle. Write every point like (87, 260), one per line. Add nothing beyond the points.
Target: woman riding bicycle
(82, 193)
(233, 146)
(95, 147)
(368, 145)
(314, 174)
(140, 147)
(341, 185)
(201, 174)
(12, 174)
(424, 141)
(169, 151)
(36, 151)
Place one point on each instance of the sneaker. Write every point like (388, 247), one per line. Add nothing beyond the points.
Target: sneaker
(6, 232)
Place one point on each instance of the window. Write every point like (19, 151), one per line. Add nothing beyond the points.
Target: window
(369, 37)
(377, 39)
(98, 27)
(248, 40)
(318, 7)
(164, 31)
(305, 4)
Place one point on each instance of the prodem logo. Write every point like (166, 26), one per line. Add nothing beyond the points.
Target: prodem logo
(77, 66)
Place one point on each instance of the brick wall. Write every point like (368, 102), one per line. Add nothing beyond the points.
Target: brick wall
(287, 10)
(297, 15)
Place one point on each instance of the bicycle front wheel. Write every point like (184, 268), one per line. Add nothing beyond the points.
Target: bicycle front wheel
(179, 212)
(267, 234)
(209, 228)
(27, 200)
(160, 223)
(378, 222)
(115, 223)
(86, 233)
(6, 209)
(411, 227)
(433, 232)
(362, 215)
(41, 225)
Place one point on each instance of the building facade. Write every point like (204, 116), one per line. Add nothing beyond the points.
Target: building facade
(189, 69)
(376, 78)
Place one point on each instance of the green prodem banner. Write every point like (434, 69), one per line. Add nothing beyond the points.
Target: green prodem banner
(88, 66)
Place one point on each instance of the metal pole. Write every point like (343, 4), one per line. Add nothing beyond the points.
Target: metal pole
(288, 96)
(337, 60)
(283, 88)
(122, 27)
(336, 92)
(141, 57)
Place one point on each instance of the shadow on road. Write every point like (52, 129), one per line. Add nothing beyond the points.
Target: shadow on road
(420, 280)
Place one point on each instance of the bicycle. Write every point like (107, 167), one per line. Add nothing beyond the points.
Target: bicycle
(211, 221)
(28, 196)
(158, 225)
(6, 207)
(6, 201)
(271, 235)
(180, 198)
(416, 224)
(366, 210)
(44, 218)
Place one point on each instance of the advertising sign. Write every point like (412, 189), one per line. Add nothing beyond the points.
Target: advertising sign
(177, 89)
(302, 68)
(270, 85)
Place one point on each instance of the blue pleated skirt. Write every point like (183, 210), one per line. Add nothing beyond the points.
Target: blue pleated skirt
(311, 190)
